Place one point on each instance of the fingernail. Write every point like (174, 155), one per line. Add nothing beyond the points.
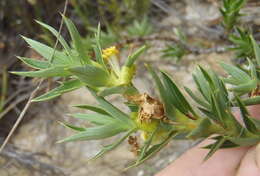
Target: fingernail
(258, 155)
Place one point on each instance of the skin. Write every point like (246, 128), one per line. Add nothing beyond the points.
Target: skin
(242, 161)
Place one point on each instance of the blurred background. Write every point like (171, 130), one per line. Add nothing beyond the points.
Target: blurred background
(32, 150)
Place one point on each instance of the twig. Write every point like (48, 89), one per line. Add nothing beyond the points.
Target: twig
(18, 100)
(191, 49)
(162, 5)
(36, 89)
(21, 116)
(16, 93)
(13, 104)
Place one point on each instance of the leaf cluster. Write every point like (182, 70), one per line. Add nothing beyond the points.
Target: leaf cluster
(79, 65)
(140, 28)
(177, 50)
(243, 45)
(231, 12)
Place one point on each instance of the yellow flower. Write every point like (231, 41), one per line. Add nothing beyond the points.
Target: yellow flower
(108, 52)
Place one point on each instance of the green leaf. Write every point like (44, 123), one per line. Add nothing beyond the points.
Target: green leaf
(252, 69)
(153, 150)
(230, 80)
(256, 50)
(47, 52)
(34, 63)
(209, 114)
(175, 51)
(110, 147)
(140, 28)
(216, 110)
(256, 122)
(121, 89)
(246, 87)
(113, 111)
(250, 101)
(197, 99)
(94, 133)
(245, 115)
(77, 40)
(113, 90)
(169, 108)
(245, 141)
(75, 128)
(45, 73)
(133, 107)
(202, 84)
(225, 145)
(176, 96)
(58, 36)
(237, 74)
(98, 49)
(202, 130)
(92, 108)
(91, 75)
(63, 88)
(215, 147)
(97, 119)
(146, 145)
(132, 58)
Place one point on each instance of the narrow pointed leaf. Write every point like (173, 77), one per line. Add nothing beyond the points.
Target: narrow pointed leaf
(197, 99)
(209, 114)
(91, 75)
(256, 122)
(256, 50)
(34, 63)
(245, 115)
(97, 119)
(132, 58)
(153, 150)
(202, 130)
(121, 89)
(94, 133)
(169, 108)
(58, 36)
(246, 87)
(63, 88)
(113, 111)
(216, 110)
(146, 145)
(215, 147)
(110, 147)
(177, 98)
(236, 73)
(47, 52)
(98, 49)
(96, 109)
(77, 41)
(45, 73)
(226, 144)
(202, 84)
(75, 128)
(245, 141)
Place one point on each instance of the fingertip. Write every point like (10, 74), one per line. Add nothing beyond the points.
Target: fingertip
(249, 165)
(254, 111)
(258, 156)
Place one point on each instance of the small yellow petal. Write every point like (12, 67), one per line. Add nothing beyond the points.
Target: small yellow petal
(108, 52)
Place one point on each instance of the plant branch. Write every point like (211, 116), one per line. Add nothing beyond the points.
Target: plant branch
(189, 48)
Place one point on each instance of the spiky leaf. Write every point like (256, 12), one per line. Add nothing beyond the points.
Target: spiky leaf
(66, 86)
